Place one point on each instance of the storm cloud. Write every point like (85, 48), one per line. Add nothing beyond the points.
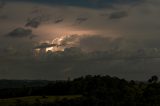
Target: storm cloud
(116, 35)
(132, 26)
(91, 43)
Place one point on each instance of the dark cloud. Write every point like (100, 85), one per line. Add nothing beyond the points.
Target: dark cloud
(73, 51)
(45, 45)
(96, 4)
(2, 3)
(37, 17)
(80, 20)
(3, 17)
(99, 43)
(128, 1)
(10, 51)
(118, 15)
(116, 56)
(20, 33)
(34, 22)
(58, 20)
(92, 43)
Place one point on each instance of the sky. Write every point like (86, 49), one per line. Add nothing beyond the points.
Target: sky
(116, 37)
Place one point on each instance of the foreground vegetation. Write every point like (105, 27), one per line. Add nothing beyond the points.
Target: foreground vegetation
(35, 100)
(87, 91)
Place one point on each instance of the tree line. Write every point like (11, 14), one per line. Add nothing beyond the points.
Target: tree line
(95, 90)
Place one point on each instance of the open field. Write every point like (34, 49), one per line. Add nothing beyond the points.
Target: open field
(34, 99)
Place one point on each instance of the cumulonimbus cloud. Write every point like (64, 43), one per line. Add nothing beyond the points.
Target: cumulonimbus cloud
(132, 25)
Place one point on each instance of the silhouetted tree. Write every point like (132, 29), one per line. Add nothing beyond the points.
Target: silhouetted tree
(153, 79)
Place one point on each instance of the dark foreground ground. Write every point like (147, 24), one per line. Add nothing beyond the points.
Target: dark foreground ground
(83, 91)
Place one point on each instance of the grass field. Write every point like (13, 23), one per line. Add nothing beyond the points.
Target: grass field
(34, 99)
